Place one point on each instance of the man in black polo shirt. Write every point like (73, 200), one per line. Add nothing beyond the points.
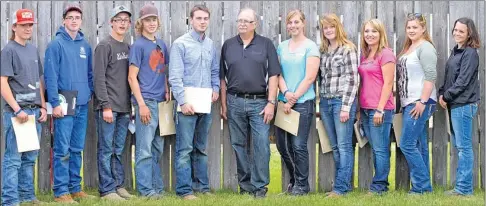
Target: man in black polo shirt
(250, 64)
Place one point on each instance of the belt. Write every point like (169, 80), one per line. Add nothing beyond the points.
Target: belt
(249, 96)
(30, 106)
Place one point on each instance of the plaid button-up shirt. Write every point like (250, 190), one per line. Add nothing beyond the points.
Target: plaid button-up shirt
(339, 75)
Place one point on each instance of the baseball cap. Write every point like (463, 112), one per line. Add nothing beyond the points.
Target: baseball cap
(71, 7)
(23, 16)
(147, 10)
(120, 9)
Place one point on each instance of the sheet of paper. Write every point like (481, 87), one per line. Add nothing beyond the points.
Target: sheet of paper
(166, 118)
(448, 122)
(288, 122)
(397, 127)
(323, 138)
(199, 98)
(26, 134)
(64, 107)
(131, 127)
(359, 133)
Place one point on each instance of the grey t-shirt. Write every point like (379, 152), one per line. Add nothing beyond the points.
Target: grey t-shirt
(111, 75)
(22, 65)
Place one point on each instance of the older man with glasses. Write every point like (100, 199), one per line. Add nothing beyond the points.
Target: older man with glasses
(249, 77)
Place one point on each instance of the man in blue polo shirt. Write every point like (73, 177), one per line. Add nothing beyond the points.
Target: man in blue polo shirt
(193, 64)
(148, 81)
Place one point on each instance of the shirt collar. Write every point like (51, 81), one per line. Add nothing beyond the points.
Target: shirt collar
(196, 36)
(251, 42)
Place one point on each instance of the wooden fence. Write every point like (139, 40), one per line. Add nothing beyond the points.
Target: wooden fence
(222, 166)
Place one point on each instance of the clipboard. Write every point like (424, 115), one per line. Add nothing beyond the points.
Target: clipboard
(397, 127)
(26, 134)
(166, 117)
(360, 135)
(323, 138)
(199, 98)
(288, 122)
(67, 100)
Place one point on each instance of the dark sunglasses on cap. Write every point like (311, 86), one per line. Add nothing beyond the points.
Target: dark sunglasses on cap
(418, 16)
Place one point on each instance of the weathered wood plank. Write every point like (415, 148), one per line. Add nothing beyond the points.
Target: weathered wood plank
(164, 16)
(311, 146)
(178, 19)
(440, 136)
(482, 73)
(327, 169)
(230, 177)
(3, 41)
(387, 17)
(369, 10)
(365, 167)
(90, 161)
(57, 8)
(324, 7)
(270, 24)
(127, 162)
(310, 10)
(104, 19)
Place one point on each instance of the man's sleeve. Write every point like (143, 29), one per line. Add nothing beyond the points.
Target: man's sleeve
(222, 63)
(101, 59)
(135, 56)
(6, 63)
(215, 71)
(176, 72)
(90, 70)
(51, 72)
(273, 64)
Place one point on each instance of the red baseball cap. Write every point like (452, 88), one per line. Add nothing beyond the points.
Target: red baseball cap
(23, 16)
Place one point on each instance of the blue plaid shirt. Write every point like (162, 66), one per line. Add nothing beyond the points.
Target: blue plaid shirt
(193, 63)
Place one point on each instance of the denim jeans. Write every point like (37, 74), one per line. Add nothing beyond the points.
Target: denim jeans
(17, 168)
(411, 147)
(69, 138)
(149, 147)
(341, 139)
(293, 149)
(423, 145)
(379, 138)
(191, 159)
(462, 123)
(254, 173)
(111, 140)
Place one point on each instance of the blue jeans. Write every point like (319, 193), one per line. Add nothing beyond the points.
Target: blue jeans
(111, 140)
(293, 149)
(411, 145)
(379, 138)
(341, 139)
(17, 168)
(462, 122)
(253, 174)
(69, 138)
(191, 159)
(149, 147)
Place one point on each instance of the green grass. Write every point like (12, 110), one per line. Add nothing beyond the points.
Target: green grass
(357, 197)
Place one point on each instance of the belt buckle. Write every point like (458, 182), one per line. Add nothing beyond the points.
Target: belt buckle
(246, 96)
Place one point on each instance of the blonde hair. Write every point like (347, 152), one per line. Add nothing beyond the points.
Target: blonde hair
(383, 42)
(139, 26)
(408, 42)
(341, 37)
(291, 15)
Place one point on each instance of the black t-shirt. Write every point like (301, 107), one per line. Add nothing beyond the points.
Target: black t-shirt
(247, 69)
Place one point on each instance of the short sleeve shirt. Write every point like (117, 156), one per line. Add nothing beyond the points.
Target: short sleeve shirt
(152, 59)
(22, 65)
(372, 80)
(294, 67)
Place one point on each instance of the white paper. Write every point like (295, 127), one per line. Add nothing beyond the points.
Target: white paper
(131, 127)
(26, 134)
(198, 98)
(63, 106)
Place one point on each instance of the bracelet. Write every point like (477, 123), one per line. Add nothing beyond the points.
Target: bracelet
(379, 111)
(18, 112)
(285, 92)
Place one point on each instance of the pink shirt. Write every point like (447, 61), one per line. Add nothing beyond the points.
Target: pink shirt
(372, 80)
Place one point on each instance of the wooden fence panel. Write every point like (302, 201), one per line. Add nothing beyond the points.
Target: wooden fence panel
(3, 41)
(482, 116)
(311, 146)
(440, 137)
(312, 21)
(230, 177)
(270, 25)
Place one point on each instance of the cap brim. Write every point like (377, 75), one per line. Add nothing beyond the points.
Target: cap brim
(127, 12)
(73, 9)
(148, 15)
(26, 22)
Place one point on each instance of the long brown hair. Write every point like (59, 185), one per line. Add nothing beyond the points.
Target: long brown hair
(423, 23)
(341, 37)
(383, 43)
(473, 38)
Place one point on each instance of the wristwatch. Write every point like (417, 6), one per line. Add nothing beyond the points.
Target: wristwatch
(379, 111)
(271, 101)
(422, 101)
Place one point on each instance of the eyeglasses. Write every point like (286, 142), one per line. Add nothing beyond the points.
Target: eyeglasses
(418, 16)
(244, 21)
(73, 18)
(122, 20)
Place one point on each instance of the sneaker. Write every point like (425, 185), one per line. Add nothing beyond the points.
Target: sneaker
(334, 195)
(208, 193)
(299, 191)
(244, 192)
(33, 202)
(453, 193)
(65, 199)
(82, 195)
(155, 197)
(122, 192)
(189, 197)
(262, 193)
(113, 197)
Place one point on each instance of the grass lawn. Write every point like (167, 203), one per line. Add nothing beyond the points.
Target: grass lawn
(356, 197)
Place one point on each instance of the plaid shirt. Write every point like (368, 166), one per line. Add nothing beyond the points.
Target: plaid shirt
(339, 75)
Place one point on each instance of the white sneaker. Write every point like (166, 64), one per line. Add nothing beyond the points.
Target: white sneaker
(113, 197)
(122, 192)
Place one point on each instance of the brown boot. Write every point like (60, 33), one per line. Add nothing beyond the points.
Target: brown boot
(81, 195)
(189, 197)
(65, 199)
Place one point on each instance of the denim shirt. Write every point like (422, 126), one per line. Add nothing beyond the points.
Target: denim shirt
(193, 63)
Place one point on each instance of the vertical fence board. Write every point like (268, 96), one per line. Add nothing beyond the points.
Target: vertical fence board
(440, 136)
(311, 146)
(127, 161)
(230, 178)
(90, 160)
(327, 169)
(482, 116)
(164, 15)
(270, 25)
(57, 8)
(310, 10)
(3, 41)
(104, 19)
(329, 7)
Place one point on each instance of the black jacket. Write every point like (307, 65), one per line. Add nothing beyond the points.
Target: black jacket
(461, 84)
